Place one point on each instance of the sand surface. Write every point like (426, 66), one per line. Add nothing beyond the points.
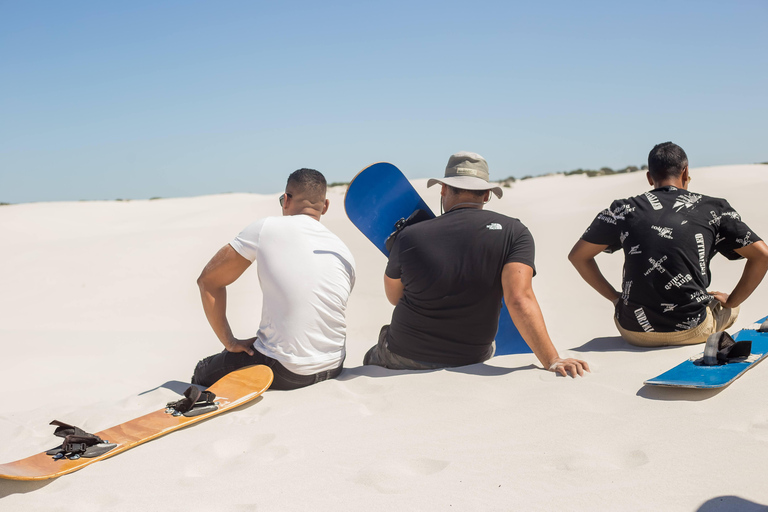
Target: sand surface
(100, 322)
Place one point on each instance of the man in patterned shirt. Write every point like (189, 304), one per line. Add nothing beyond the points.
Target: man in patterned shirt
(669, 235)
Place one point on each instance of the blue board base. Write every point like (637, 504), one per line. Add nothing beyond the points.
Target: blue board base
(689, 374)
(378, 197)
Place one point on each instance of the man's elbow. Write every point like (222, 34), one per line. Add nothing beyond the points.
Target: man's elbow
(763, 251)
(575, 256)
(519, 301)
(572, 257)
(759, 254)
(764, 259)
(202, 281)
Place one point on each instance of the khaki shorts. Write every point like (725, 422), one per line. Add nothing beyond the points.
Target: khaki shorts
(718, 319)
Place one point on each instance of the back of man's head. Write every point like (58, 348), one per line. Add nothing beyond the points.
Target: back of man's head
(666, 160)
(462, 191)
(308, 183)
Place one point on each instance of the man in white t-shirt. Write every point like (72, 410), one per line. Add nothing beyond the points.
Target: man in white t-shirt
(306, 275)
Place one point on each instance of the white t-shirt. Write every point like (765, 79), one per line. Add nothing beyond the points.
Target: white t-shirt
(306, 275)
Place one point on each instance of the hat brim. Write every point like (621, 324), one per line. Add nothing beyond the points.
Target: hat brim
(467, 183)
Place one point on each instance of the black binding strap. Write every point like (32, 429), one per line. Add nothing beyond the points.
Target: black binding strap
(417, 216)
(721, 348)
(77, 442)
(194, 402)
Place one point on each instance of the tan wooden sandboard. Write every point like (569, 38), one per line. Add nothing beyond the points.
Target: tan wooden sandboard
(232, 390)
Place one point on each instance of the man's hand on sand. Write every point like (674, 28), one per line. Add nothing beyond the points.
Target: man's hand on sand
(569, 366)
(236, 345)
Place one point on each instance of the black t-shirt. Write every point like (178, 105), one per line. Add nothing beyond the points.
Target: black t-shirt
(669, 236)
(451, 269)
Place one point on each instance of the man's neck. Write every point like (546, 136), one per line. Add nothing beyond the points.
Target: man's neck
(309, 212)
(680, 181)
(669, 183)
(466, 204)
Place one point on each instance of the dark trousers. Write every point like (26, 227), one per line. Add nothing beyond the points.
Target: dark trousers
(380, 355)
(214, 367)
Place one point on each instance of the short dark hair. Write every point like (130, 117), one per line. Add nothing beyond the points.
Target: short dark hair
(666, 160)
(309, 181)
(474, 193)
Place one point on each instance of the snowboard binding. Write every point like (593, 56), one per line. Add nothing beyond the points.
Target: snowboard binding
(77, 443)
(721, 349)
(195, 402)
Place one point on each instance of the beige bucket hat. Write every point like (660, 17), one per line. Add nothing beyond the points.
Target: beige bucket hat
(467, 171)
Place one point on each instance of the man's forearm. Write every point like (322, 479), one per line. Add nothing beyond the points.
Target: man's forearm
(590, 272)
(754, 271)
(215, 307)
(753, 274)
(527, 317)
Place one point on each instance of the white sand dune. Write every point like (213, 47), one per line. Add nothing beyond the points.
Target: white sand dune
(100, 322)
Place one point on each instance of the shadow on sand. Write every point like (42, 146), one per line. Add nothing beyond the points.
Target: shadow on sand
(176, 386)
(728, 503)
(9, 487)
(614, 344)
(480, 369)
(669, 394)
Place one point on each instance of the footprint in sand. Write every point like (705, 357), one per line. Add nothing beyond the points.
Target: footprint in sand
(398, 477)
(226, 452)
(604, 461)
(256, 447)
(760, 429)
(372, 396)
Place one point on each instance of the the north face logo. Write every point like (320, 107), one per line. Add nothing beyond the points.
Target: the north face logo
(493, 226)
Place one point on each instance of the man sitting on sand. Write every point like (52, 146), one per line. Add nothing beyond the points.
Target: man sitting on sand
(446, 278)
(669, 236)
(306, 275)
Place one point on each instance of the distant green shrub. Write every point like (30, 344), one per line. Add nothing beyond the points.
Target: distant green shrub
(507, 182)
(603, 171)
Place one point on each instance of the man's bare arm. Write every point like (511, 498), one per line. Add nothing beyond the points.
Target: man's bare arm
(754, 271)
(223, 269)
(393, 288)
(582, 256)
(517, 282)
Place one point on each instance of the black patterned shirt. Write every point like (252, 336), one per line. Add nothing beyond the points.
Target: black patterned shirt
(669, 236)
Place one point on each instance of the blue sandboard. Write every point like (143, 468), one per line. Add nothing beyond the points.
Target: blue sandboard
(378, 197)
(693, 374)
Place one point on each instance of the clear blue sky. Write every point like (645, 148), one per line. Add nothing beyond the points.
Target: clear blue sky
(137, 99)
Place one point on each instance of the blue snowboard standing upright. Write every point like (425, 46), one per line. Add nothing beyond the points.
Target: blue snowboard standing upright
(380, 196)
(693, 374)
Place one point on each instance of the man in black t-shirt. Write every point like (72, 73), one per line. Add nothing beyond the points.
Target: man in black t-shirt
(446, 278)
(669, 236)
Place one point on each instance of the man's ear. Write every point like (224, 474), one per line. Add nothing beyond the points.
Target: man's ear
(325, 207)
(650, 180)
(686, 176)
